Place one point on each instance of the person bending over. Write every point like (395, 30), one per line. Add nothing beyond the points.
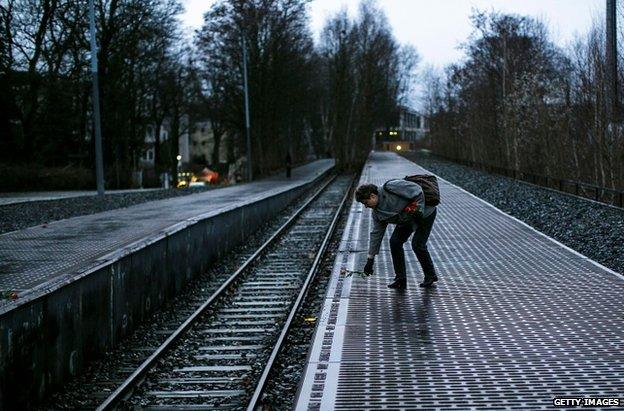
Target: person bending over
(390, 205)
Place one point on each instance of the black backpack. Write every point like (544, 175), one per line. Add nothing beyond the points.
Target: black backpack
(429, 185)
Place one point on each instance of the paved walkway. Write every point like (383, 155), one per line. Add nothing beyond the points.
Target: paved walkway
(516, 319)
(31, 258)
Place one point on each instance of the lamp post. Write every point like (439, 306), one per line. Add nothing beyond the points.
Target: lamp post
(178, 168)
(247, 122)
(612, 105)
(99, 162)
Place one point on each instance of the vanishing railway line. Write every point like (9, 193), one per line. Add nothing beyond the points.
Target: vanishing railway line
(219, 355)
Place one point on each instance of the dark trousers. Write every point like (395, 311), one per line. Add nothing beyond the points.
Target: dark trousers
(419, 245)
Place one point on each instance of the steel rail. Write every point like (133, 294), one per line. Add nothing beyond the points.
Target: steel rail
(136, 377)
(257, 395)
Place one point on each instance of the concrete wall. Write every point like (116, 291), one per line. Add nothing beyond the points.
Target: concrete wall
(45, 342)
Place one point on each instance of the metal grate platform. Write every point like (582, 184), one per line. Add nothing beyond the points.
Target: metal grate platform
(515, 320)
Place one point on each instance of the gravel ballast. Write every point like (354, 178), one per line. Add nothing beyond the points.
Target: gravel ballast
(593, 229)
(29, 214)
(281, 390)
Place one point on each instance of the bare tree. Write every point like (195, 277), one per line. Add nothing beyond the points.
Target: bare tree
(368, 75)
(45, 64)
(279, 49)
(518, 100)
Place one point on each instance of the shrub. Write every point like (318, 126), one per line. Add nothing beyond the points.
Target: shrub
(33, 177)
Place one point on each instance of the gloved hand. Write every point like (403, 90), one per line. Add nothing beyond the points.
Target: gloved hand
(368, 268)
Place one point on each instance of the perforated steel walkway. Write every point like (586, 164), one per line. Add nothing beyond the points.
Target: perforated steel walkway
(516, 319)
(36, 257)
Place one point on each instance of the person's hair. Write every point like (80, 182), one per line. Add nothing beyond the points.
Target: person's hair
(364, 192)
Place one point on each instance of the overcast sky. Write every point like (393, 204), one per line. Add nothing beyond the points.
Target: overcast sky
(436, 28)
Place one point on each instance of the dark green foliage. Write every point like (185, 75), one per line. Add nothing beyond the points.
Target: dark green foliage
(33, 177)
(46, 89)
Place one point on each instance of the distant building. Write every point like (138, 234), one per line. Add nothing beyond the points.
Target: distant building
(202, 140)
(202, 144)
(195, 147)
(147, 159)
(412, 128)
(231, 161)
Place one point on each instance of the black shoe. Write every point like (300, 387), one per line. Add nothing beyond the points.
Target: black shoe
(398, 283)
(429, 281)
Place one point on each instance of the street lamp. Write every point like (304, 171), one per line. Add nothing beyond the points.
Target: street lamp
(178, 168)
(247, 122)
(99, 162)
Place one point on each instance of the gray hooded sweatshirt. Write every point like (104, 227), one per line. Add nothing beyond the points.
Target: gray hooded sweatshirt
(389, 210)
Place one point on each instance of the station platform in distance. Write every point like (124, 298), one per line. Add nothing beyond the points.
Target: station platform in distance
(37, 260)
(515, 320)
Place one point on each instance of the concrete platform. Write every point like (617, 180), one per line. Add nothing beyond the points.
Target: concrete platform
(86, 282)
(38, 257)
(516, 320)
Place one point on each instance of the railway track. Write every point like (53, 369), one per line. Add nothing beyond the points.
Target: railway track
(219, 355)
